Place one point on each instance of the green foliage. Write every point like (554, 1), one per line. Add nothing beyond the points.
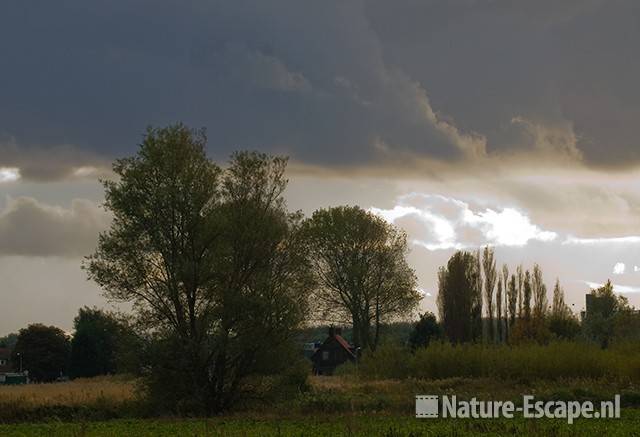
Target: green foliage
(9, 340)
(561, 322)
(604, 307)
(554, 361)
(533, 330)
(626, 327)
(361, 272)
(425, 330)
(44, 352)
(490, 275)
(341, 424)
(211, 260)
(564, 328)
(539, 291)
(526, 296)
(512, 299)
(387, 361)
(98, 339)
(460, 297)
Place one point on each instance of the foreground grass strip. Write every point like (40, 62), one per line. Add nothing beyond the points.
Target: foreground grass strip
(629, 424)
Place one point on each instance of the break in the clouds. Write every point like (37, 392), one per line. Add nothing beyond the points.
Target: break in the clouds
(438, 222)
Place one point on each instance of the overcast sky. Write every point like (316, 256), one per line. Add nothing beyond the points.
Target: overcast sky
(510, 123)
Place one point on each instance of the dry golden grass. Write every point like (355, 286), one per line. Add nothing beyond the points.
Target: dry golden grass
(71, 393)
(340, 384)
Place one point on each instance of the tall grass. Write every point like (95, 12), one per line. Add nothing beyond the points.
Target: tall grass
(532, 361)
(77, 392)
(96, 398)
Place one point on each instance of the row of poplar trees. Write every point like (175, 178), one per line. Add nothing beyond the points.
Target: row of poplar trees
(476, 301)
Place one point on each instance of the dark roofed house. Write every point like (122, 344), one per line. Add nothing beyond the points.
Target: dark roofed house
(334, 351)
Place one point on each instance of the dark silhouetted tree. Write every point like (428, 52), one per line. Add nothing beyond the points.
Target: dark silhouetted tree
(539, 293)
(512, 299)
(600, 316)
(210, 260)
(559, 308)
(490, 275)
(526, 296)
(561, 321)
(97, 339)
(426, 330)
(520, 276)
(9, 340)
(362, 276)
(457, 298)
(44, 351)
(499, 310)
(505, 302)
(477, 297)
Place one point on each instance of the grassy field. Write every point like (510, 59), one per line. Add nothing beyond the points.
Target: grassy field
(555, 361)
(354, 425)
(339, 405)
(72, 393)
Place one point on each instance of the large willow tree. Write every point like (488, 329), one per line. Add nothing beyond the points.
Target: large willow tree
(210, 260)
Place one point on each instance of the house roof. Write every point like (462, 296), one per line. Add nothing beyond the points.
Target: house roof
(341, 341)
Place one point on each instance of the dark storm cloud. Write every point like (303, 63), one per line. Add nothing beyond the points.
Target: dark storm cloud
(336, 82)
(571, 65)
(286, 76)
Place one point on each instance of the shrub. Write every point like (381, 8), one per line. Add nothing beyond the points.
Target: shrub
(554, 361)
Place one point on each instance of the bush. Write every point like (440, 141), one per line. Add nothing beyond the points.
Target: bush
(554, 361)
(427, 329)
(564, 328)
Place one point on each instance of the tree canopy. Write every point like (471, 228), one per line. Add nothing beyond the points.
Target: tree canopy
(360, 268)
(459, 297)
(98, 336)
(43, 351)
(210, 260)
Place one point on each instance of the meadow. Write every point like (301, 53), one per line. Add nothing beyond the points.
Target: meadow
(335, 425)
(80, 391)
(375, 397)
(557, 360)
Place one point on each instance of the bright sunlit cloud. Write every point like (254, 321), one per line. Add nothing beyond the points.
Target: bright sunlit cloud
(617, 288)
(508, 227)
(615, 240)
(439, 222)
(9, 174)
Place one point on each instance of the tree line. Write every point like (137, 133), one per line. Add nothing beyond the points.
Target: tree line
(102, 343)
(477, 302)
